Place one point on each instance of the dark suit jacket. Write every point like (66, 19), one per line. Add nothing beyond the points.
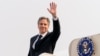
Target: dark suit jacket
(48, 43)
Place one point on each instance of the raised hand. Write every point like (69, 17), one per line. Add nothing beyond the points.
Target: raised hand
(52, 9)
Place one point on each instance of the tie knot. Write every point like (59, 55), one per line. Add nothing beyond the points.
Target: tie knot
(40, 36)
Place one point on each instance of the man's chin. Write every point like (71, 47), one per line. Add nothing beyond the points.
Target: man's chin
(42, 32)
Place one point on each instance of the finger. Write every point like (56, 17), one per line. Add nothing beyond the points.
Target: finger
(53, 5)
(50, 5)
(48, 9)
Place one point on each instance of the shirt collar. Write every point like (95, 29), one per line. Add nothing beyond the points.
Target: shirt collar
(43, 35)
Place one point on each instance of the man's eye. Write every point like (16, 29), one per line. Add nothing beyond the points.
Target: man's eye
(45, 24)
(41, 24)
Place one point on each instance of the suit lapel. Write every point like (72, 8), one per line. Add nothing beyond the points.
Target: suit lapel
(41, 41)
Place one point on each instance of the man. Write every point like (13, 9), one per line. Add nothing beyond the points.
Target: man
(45, 43)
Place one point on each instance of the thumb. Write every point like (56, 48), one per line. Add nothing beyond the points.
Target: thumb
(48, 10)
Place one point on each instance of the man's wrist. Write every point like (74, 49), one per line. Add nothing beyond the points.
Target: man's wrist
(55, 18)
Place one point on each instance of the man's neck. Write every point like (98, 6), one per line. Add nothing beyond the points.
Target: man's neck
(43, 34)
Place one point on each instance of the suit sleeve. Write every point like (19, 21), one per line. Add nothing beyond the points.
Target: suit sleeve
(56, 30)
(29, 54)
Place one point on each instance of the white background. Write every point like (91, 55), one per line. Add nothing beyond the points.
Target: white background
(18, 23)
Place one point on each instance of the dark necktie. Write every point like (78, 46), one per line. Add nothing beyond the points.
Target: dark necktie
(39, 37)
(38, 41)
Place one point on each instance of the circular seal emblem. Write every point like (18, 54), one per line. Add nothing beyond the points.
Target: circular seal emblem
(85, 47)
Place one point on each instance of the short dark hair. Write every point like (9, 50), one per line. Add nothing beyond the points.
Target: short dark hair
(46, 18)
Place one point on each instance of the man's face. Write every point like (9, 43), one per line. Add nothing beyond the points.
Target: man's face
(43, 26)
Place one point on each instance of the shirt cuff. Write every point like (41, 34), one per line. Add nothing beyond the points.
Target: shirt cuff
(46, 54)
(55, 18)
